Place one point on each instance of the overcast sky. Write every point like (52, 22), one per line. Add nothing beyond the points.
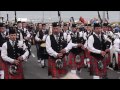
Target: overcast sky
(38, 15)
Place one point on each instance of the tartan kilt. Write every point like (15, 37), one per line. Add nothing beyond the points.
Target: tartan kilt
(87, 53)
(56, 73)
(118, 61)
(73, 64)
(94, 70)
(5, 67)
(108, 59)
(43, 53)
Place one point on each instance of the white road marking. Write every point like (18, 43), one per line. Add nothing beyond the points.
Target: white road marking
(118, 72)
(33, 55)
(110, 68)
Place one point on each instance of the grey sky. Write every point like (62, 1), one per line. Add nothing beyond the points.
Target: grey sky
(38, 15)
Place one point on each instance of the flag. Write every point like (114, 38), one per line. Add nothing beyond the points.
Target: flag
(82, 20)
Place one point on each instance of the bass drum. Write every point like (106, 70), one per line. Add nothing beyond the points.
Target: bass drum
(43, 45)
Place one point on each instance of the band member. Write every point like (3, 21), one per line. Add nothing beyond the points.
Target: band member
(13, 53)
(19, 31)
(99, 50)
(116, 63)
(77, 54)
(26, 36)
(66, 36)
(56, 50)
(6, 34)
(87, 34)
(41, 38)
(109, 36)
(66, 30)
(2, 40)
(2, 37)
(39, 28)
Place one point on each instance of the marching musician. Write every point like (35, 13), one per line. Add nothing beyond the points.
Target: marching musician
(99, 49)
(26, 36)
(41, 38)
(38, 28)
(2, 37)
(13, 53)
(57, 50)
(77, 54)
(116, 52)
(2, 40)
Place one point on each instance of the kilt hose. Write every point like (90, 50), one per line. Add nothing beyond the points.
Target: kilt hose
(43, 53)
(94, 70)
(56, 73)
(108, 59)
(118, 61)
(72, 63)
(87, 53)
(5, 66)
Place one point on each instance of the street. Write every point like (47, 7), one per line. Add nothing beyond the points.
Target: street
(32, 69)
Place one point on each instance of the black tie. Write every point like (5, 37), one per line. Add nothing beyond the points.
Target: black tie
(57, 38)
(99, 37)
(13, 43)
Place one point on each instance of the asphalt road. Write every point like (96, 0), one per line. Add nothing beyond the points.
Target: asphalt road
(33, 70)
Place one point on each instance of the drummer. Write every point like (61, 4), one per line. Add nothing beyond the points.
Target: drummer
(41, 38)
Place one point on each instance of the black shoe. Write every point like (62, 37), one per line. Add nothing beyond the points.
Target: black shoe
(105, 78)
(116, 67)
(49, 73)
(78, 69)
(111, 65)
(43, 66)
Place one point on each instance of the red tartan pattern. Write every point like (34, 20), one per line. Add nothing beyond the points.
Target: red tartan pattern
(108, 60)
(118, 61)
(56, 73)
(73, 64)
(5, 67)
(94, 67)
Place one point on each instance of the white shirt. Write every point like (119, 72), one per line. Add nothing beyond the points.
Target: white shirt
(21, 36)
(81, 34)
(38, 39)
(69, 36)
(90, 45)
(8, 59)
(65, 35)
(53, 53)
(117, 45)
(0, 48)
(27, 32)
